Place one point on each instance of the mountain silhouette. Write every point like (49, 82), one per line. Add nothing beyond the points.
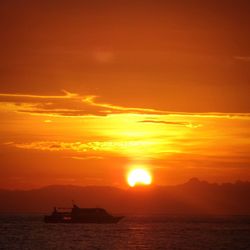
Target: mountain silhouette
(192, 197)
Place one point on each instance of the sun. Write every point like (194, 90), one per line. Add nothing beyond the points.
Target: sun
(139, 176)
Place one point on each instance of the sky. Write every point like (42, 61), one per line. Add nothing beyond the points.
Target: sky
(92, 89)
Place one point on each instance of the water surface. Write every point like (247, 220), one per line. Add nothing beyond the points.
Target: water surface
(137, 232)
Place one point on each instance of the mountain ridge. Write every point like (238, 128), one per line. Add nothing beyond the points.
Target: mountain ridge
(192, 197)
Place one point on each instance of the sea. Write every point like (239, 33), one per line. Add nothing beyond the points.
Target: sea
(29, 232)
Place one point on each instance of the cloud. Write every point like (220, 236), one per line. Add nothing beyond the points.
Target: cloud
(69, 104)
(104, 56)
(103, 146)
(75, 105)
(91, 100)
(186, 124)
(242, 58)
(8, 143)
(168, 150)
(67, 95)
(165, 122)
(87, 158)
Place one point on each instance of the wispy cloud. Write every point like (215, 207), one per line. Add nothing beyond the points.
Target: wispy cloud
(75, 105)
(112, 146)
(186, 124)
(87, 157)
(199, 150)
(110, 108)
(242, 58)
(67, 95)
(69, 104)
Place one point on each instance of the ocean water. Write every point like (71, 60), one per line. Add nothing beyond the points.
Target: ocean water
(137, 232)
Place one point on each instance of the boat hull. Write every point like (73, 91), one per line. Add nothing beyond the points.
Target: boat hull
(81, 215)
(51, 219)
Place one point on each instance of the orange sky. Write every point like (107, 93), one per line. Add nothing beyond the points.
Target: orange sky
(90, 89)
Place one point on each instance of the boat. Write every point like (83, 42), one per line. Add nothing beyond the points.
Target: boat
(81, 215)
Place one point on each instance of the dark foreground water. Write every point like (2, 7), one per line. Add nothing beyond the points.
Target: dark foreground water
(138, 232)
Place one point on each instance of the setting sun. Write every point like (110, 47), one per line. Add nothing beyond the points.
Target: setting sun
(139, 176)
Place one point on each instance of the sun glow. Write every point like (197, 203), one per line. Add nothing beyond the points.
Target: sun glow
(139, 176)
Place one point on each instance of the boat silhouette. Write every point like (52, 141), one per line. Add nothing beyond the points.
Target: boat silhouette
(81, 215)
